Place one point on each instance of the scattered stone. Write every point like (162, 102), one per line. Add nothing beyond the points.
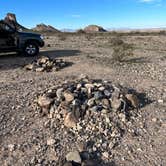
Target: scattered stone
(68, 96)
(29, 67)
(116, 104)
(160, 101)
(11, 147)
(133, 99)
(73, 156)
(70, 120)
(39, 69)
(44, 101)
(105, 155)
(46, 64)
(50, 142)
(59, 93)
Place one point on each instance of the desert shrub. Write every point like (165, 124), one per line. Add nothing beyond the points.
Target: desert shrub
(121, 50)
(81, 31)
(162, 32)
(62, 36)
(116, 41)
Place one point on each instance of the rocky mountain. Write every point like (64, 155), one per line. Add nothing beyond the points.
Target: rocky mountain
(94, 28)
(45, 28)
(11, 20)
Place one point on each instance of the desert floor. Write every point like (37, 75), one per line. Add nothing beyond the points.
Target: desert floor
(91, 54)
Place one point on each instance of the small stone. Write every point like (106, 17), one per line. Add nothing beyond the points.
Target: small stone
(105, 155)
(44, 101)
(160, 101)
(154, 120)
(116, 93)
(98, 95)
(42, 60)
(111, 145)
(39, 69)
(79, 127)
(83, 76)
(81, 146)
(107, 120)
(133, 100)
(122, 117)
(79, 86)
(102, 88)
(91, 102)
(116, 104)
(94, 109)
(50, 142)
(68, 96)
(11, 147)
(107, 93)
(74, 156)
(84, 90)
(106, 103)
(105, 111)
(29, 67)
(70, 121)
(91, 86)
(59, 93)
(76, 102)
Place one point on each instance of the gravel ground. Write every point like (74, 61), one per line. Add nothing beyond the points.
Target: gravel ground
(24, 134)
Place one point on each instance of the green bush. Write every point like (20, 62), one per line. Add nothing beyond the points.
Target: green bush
(121, 50)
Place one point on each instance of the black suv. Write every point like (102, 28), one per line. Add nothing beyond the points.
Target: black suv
(12, 40)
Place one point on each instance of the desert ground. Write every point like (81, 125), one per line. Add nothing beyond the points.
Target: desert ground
(24, 133)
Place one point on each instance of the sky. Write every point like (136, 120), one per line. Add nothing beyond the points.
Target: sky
(75, 14)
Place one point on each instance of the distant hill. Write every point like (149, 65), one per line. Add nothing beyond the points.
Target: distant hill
(45, 28)
(94, 28)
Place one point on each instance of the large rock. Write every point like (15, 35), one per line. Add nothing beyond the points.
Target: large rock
(12, 21)
(94, 28)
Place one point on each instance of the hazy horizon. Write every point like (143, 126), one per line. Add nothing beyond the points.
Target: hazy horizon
(76, 14)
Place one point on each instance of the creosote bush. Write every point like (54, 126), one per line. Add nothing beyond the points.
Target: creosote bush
(121, 50)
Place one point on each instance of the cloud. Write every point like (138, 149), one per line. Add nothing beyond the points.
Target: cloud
(149, 1)
(75, 15)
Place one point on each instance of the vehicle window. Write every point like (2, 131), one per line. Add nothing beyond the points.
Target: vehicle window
(5, 28)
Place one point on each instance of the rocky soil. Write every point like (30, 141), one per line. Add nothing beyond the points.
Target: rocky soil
(102, 135)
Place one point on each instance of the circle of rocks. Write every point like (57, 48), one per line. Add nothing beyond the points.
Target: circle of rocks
(46, 64)
(93, 116)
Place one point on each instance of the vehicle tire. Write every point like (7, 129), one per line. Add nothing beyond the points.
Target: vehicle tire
(31, 49)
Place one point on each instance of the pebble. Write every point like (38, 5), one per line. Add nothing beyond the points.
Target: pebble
(73, 156)
(50, 142)
(70, 120)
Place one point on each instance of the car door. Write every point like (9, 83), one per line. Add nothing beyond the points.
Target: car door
(7, 37)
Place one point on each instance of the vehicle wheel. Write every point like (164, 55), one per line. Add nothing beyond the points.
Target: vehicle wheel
(31, 49)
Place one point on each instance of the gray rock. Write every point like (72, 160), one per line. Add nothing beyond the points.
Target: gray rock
(50, 142)
(91, 102)
(73, 156)
(107, 93)
(59, 93)
(116, 104)
(98, 95)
